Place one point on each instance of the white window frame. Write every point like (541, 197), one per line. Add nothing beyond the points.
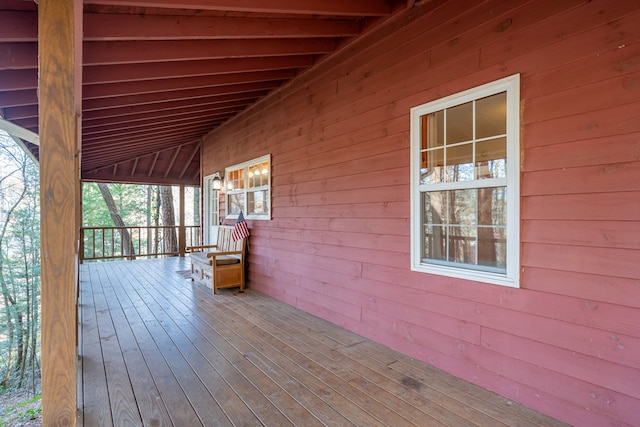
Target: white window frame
(511, 277)
(211, 210)
(246, 190)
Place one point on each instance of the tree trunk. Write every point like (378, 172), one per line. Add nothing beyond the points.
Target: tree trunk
(127, 245)
(170, 241)
(156, 221)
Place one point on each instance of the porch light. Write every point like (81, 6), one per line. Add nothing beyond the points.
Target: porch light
(217, 181)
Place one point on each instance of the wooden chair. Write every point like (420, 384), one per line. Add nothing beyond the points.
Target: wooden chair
(221, 265)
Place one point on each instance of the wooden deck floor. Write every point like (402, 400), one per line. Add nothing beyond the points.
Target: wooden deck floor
(157, 350)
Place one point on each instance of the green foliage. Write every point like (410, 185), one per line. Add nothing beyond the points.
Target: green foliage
(19, 267)
(19, 411)
(131, 201)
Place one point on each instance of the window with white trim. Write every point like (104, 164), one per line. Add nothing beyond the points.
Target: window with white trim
(248, 189)
(465, 166)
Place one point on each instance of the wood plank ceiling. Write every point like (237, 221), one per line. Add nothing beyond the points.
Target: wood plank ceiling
(158, 75)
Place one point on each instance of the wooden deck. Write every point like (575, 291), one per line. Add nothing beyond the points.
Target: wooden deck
(157, 350)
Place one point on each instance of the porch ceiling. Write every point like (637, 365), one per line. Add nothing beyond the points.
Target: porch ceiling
(158, 75)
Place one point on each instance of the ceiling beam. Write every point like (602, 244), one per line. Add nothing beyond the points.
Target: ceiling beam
(155, 128)
(92, 144)
(18, 79)
(18, 56)
(118, 27)
(188, 94)
(18, 26)
(87, 131)
(135, 52)
(89, 123)
(305, 7)
(152, 71)
(195, 151)
(166, 85)
(18, 98)
(173, 160)
(174, 105)
(19, 132)
(22, 26)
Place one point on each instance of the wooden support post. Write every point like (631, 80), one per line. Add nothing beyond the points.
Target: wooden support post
(182, 230)
(60, 98)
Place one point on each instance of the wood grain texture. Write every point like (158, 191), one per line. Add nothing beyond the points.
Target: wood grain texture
(247, 359)
(59, 91)
(338, 244)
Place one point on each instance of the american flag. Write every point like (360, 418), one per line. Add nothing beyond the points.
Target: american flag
(240, 230)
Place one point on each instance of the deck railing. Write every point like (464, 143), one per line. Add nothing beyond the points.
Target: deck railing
(101, 243)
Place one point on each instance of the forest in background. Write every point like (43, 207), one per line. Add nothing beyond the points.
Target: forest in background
(104, 205)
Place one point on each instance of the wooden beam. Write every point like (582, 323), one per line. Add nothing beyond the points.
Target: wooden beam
(153, 164)
(195, 151)
(135, 52)
(173, 160)
(60, 90)
(176, 69)
(17, 56)
(166, 85)
(305, 7)
(18, 79)
(118, 27)
(17, 98)
(22, 26)
(19, 132)
(180, 95)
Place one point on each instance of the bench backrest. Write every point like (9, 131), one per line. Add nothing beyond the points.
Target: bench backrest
(225, 242)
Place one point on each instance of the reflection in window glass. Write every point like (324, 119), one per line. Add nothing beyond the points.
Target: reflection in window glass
(248, 188)
(466, 226)
(236, 203)
(459, 123)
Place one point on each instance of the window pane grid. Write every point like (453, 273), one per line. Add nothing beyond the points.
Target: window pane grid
(466, 227)
(248, 188)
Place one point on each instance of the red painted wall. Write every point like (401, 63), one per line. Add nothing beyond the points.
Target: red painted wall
(568, 342)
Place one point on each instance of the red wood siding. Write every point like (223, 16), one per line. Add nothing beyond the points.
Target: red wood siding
(568, 341)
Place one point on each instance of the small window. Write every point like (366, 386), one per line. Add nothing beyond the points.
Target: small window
(248, 189)
(465, 163)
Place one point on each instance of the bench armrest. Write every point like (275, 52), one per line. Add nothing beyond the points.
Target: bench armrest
(199, 248)
(216, 253)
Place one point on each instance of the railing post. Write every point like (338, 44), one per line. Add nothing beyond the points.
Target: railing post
(81, 248)
(182, 231)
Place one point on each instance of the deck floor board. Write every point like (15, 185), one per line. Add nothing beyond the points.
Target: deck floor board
(163, 351)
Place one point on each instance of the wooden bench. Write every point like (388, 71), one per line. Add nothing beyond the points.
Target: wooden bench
(221, 265)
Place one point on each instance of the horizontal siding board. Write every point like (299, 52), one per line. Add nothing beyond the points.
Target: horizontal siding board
(498, 21)
(593, 26)
(601, 261)
(584, 287)
(376, 256)
(368, 195)
(379, 162)
(364, 211)
(592, 152)
(431, 321)
(606, 234)
(468, 302)
(615, 121)
(617, 61)
(590, 369)
(610, 406)
(613, 177)
(614, 92)
(338, 243)
(588, 207)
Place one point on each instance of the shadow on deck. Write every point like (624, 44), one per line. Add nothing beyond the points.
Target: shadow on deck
(157, 350)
